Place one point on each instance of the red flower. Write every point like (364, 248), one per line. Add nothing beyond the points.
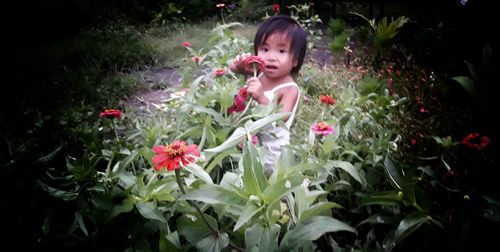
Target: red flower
(413, 141)
(252, 60)
(474, 140)
(219, 72)
(111, 113)
(239, 102)
(276, 8)
(326, 99)
(172, 155)
(186, 44)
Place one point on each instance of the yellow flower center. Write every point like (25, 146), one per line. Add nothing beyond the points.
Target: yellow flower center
(176, 149)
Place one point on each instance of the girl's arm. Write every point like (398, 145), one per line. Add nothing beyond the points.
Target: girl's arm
(287, 98)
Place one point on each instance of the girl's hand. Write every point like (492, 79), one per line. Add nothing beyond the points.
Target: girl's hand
(256, 90)
(237, 65)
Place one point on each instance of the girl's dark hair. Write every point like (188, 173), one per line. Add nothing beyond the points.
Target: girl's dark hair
(291, 28)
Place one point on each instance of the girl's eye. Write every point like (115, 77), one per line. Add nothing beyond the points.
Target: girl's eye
(265, 49)
(282, 51)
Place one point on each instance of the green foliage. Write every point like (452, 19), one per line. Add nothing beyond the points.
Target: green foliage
(385, 31)
(339, 42)
(364, 187)
(336, 26)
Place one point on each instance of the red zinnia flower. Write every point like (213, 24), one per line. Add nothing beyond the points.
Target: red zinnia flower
(322, 128)
(172, 155)
(111, 113)
(276, 8)
(326, 99)
(239, 102)
(474, 140)
(186, 44)
(255, 60)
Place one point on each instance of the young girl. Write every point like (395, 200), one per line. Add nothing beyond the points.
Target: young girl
(281, 42)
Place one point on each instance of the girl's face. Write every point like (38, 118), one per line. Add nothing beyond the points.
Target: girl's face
(276, 53)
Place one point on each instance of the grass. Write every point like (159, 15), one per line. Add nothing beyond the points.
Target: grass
(166, 40)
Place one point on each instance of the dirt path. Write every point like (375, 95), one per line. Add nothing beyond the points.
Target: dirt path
(145, 99)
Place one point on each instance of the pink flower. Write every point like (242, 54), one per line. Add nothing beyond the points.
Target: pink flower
(196, 59)
(221, 5)
(186, 44)
(219, 72)
(255, 140)
(322, 128)
(111, 113)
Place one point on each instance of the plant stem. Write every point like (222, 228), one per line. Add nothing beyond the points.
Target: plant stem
(214, 232)
(114, 129)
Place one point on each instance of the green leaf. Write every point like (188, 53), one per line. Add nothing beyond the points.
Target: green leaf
(237, 137)
(218, 158)
(212, 243)
(51, 155)
(81, 224)
(251, 128)
(409, 224)
(193, 228)
(124, 207)
(349, 168)
(317, 209)
(170, 242)
(199, 172)
(311, 229)
(282, 187)
(254, 180)
(389, 198)
(250, 210)
(214, 194)
(395, 175)
(150, 210)
(466, 83)
(259, 238)
(379, 219)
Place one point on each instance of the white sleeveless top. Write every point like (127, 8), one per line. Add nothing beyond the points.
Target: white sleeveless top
(275, 137)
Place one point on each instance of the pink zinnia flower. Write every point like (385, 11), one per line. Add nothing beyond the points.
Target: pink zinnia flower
(174, 154)
(111, 113)
(186, 44)
(322, 128)
(196, 59)
(219, 72)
